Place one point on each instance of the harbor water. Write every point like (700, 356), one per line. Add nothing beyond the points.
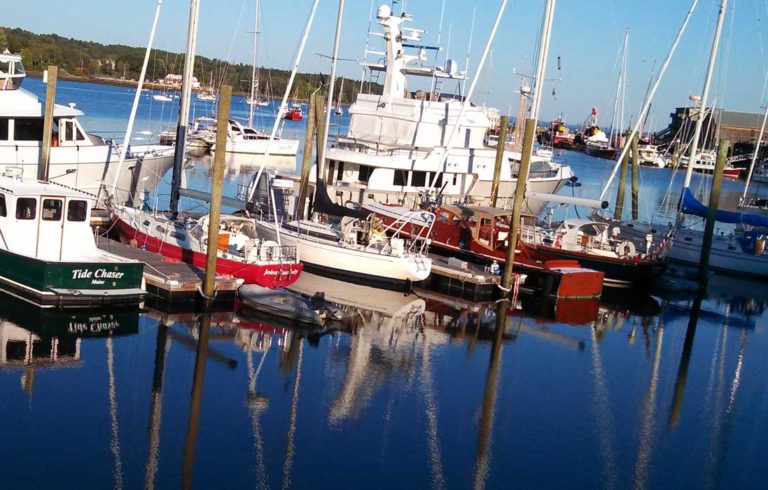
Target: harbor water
(664, 389)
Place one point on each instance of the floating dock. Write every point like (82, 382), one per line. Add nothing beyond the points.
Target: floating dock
(462, 279)
(172, 285)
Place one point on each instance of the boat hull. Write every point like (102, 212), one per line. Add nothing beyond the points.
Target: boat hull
(329, 259)
(77, 283)
(726, 256)
(267, 275)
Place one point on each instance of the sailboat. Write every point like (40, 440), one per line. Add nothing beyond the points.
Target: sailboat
(339, 111)
(248, 139)
(240, 251)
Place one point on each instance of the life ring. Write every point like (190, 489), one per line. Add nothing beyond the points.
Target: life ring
(625, 249)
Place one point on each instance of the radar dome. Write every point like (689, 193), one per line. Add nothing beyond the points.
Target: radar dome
(383, 12)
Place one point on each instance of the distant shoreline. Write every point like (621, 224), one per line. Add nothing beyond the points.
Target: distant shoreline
(127, 83)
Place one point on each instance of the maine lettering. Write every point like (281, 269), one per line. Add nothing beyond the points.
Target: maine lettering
(97, 274)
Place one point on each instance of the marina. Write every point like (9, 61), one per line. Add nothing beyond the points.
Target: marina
(233, 278)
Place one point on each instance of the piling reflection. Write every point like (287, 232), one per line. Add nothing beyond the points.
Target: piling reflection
(193, 421)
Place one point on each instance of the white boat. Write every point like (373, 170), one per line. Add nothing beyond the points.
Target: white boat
(162, 98)
(48, 252)
(279, 303)
(397, 142)
(649, 155)
(207, 96)
(358, 248)
(244, 139)
(77, 159)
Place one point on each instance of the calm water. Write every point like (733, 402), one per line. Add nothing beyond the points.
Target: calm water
(408, 392)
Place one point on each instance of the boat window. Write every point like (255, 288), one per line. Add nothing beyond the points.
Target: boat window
(3, 209)
(401, 177)
(69, 131)
(3, 129)
(79, 134)
(51, 210)
(438, 181)
(26, 208)
(364, 174)
(77, 210)
(340, 172)
(28, 130)
(419, 178)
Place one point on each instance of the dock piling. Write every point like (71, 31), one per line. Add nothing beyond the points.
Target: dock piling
(321, 173)
(619, 209)
(50, 100)
(714, 199)
(306, 161)
(635, 177)
(500, 146)
(214, 216)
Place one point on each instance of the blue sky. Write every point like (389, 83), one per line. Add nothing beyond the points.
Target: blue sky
(587, 37)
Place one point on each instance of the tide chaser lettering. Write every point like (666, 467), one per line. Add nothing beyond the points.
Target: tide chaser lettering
(98, 274)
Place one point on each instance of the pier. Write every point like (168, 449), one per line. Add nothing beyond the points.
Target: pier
(171, 285)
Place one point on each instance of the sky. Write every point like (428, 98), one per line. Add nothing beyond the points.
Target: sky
(587, 38)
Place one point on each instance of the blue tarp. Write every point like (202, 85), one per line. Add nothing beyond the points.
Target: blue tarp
(691, 205)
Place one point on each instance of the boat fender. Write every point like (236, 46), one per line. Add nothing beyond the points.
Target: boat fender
(625, 249)
(559, 241)
(269, 250)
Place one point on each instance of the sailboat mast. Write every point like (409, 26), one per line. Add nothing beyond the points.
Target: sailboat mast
(618, 115)
(647, 104)
(331, 83)
(705, 94)
(754, 155)
(186, 95)
(254, 79)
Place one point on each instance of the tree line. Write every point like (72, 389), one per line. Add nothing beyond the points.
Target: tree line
(86, 59)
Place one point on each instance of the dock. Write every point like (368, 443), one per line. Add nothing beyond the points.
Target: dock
(462, 279)
(172, 285)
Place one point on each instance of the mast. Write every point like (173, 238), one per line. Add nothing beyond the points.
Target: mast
(136, 98)
(618, 108)
(647, 104)
(754, 156)
(254, 77)
(186, 94)
(705, 94)
(331, 83)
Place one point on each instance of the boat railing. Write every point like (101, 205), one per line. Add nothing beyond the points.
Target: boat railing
(375, 148)
(419, 224)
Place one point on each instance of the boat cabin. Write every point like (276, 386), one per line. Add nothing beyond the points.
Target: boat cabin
(484, 226)
(12, 72)
(45, 221)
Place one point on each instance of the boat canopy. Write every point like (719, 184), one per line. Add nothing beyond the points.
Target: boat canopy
(691, 205)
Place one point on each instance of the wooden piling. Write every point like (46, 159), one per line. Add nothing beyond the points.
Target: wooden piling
(50, 100)
(321, 171)
(500, 146)
(619, 208)
(714, 199)
(214, 216)
(635, 177)
(306, 162)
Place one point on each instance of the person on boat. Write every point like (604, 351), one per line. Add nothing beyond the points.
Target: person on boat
(465, 234)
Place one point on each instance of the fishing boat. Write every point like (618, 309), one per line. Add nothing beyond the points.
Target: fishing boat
(48, 252)
(480, 234)
(241, 251)
(77, 159)
(560, 136)
(398, 145)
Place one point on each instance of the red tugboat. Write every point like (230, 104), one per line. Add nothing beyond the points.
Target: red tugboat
(294, 113)
(479, 234)
(560, 136)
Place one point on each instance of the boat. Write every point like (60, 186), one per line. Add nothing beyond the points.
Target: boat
(295, 112)
(48, 252)
(246, 139)
(397, 145)
(596, 244)
(560, 136)
(480, 234)
(760, 173)
(649, 155)
(600, 149)
(339, 111)
(162, 98)
(77, 159)
(241, 251)
(705, 162)
(355, 246)
(279, 303)
(207, 96)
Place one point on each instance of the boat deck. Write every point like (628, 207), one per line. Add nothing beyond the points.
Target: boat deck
(462, 279)
(173, 286)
